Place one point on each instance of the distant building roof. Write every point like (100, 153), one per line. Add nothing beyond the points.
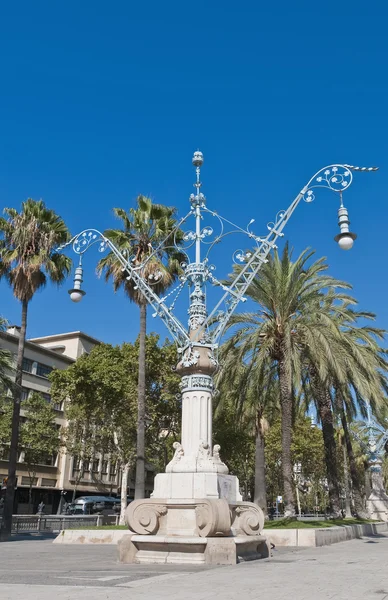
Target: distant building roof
(65, 336)
(37, 347)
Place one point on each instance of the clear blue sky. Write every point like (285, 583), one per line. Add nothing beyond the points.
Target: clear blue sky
(102, 101)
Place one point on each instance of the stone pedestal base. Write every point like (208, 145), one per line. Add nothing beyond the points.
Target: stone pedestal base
(193, 530)
(377, 505)
(197, 485)
(157, 549)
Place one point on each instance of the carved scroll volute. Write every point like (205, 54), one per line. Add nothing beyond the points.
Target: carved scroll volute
(247, 518)
(143, 516)
(213, 518)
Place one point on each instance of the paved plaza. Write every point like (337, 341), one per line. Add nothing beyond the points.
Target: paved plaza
(32, 569)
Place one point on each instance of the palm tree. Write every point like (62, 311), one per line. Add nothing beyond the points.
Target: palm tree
(366, 378)
(292, 315)
(338, 388)
(254, 392)
(5, 363)
(144, 228)
(28, 260)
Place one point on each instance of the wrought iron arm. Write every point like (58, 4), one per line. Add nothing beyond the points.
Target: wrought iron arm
(376, 433)
(84, 240)
(382, 442)
(337, 178)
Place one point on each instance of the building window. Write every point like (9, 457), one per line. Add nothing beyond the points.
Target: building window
(43, 370)
(4, 452)
(27, 365)
(25, 393)
(104, 468)
(95, 465)
(75, 466)
(46, 482)
(113, 469)
(48, 460)
(57, 406)
(27, 480)
(87, 465)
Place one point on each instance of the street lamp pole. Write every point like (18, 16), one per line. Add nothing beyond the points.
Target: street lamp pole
(297, 477)
(196, 496)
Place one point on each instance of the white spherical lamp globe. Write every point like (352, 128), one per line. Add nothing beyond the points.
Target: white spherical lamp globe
(76, 295)
(345, 242)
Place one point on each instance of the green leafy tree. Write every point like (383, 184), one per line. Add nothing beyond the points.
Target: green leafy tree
(291, 315)
(163, 398)
(100, 394)
(145, 227)
(39, 435)
(237, 443)
(385, 470)
(307, 450)
(28, 260)
(80, 438)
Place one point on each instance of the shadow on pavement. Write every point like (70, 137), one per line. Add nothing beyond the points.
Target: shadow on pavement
(35, 537)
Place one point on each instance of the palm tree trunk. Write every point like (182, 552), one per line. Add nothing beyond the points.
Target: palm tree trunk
(357, 492)
(260, 495)
(141, 407)
(6, 526)
(286, 409)
(325, 412)
(348, 512)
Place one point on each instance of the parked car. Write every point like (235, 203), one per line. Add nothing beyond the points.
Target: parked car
(91, 505)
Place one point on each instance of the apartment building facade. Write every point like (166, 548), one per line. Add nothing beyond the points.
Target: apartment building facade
(57, 478)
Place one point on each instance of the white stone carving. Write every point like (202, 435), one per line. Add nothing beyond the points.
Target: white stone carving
(178, 454)
(213, 518)
(196, 382)
(213, 360)
(216, 453)
(201, 461)
(142, 516)
(204, 452)
(190, 358)
(247, 518)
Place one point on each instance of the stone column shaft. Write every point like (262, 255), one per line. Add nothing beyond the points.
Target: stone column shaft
(196, 420)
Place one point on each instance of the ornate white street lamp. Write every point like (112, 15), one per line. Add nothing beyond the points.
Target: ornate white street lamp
(377, 435)
(196, 503)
